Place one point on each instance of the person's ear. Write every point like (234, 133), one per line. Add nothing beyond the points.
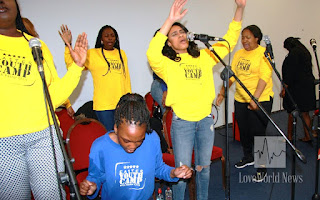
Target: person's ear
(115, 129)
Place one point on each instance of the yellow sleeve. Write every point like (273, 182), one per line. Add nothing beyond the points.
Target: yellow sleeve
(233, 66)
(128, 81)
(67, 103)
(67, 57)
(265, 70)
(232, 36)
(155, 57)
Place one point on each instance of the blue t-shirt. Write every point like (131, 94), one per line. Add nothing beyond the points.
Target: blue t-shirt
(127, 175)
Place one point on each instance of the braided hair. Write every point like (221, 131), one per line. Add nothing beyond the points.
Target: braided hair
(192, 49)
(132, 109)
(116, 45)
(19, 23)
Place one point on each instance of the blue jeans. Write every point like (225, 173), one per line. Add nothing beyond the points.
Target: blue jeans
(186, 136)
(106, 117)
(157, 93)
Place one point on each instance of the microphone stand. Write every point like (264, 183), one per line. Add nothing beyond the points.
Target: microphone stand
(70, 177)
(227, 70)
(295, 113)
(316, 195)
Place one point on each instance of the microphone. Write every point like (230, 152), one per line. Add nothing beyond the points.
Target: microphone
(35, 45)
(202, 37)
(266, 39)
(313, 43)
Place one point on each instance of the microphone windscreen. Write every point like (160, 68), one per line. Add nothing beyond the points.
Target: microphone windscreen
(190, 36)
(266, 39)
(34, 42)
(313, 42)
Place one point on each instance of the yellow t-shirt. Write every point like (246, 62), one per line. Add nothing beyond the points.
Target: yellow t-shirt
(190, 81)
(110, 83)
(249, 67)
(23, 108)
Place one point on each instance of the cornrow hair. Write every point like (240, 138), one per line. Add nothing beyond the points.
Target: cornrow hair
(192, 49)
(116, 45)
(132, 109)
(19, 23)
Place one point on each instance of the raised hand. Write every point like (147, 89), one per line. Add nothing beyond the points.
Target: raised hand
(241, 3)
(65, 34)
(79, 53)
(176, 12)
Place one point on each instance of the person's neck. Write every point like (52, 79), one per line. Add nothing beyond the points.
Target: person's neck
(108, 49)
(113, 137)
(11, 32)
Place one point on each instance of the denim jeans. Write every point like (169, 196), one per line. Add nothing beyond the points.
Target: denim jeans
(106, 117)
(186, 136)
(157, 93)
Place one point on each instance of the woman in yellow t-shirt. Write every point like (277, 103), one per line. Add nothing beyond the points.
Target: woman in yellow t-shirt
(254, 71)
(109, 69)
(187, 71)
(30, 153)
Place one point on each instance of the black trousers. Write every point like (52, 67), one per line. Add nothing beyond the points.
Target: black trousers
(251, 123)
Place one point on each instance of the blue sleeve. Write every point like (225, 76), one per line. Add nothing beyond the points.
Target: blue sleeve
(96, 167)
(162, 170)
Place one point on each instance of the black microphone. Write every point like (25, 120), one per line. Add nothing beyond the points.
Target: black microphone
(35, 45)
(202, 37)
(266, 39)
(313, 43)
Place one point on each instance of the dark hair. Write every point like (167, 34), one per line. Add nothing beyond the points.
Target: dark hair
(255, 30)
(19, 23)
(294, 43)
(116, 45)
(132, 109)
(192, 49)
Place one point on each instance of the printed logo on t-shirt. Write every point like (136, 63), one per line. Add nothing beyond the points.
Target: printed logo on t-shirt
(192, 72)
(115, 66)
(16, 69)
(130, 176)
(243, 66)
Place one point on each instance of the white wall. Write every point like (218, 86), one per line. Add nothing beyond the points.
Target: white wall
(136, 22)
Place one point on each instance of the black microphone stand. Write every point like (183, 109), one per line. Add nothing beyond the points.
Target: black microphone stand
(70, 177)
(316, 195)
(227, 70)
(295, 113)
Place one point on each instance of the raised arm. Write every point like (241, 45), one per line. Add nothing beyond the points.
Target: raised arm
(241, 4)
(176, 13)
(65, 35)
(80, 48)
(79, 53)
